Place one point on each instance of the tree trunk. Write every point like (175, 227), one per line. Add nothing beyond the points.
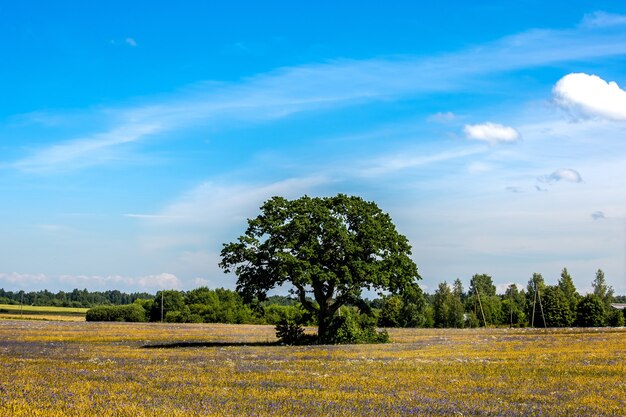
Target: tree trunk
(324, 320)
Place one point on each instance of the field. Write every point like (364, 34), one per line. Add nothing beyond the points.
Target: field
(26, 312)
(122, 369)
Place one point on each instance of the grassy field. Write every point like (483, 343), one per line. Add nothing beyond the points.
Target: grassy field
(124, 369)
(27, 312)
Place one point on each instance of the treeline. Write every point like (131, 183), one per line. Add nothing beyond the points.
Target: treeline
(538, 305)
(75, 298)
(203, 305)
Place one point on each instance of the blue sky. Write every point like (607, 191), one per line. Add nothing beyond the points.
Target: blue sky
(137, 138)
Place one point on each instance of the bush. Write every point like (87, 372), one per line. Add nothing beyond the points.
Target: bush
(289, 332)
(276, 314)
(616, 318)
(354, 328)
(590, 312)
(130, 313)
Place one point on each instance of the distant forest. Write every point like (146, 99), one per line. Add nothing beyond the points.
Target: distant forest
(75, 298)
(537, 305)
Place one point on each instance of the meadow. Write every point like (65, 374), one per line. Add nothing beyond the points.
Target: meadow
(52, 368)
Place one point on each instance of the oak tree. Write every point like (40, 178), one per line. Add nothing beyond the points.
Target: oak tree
(327, 250)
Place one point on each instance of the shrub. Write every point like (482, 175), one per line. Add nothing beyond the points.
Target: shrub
(354, 328)
(590, 312)
(289, 332)
(130, 313)
(616, 318)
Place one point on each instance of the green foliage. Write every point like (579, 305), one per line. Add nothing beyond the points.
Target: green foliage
(447, 306)
(130, 312)
(442, 305)
(534, 301)
(391, 313)
(566, 284)
(513, 307)
(556, 308)
(407, 310)
(590, 312)
(290, 332)
(276, 313)
(353, 328)
(482, 300)
(328, 249)
(220, 306)
(165, 302)
(75, 298)
(602, 290)
(615, 317)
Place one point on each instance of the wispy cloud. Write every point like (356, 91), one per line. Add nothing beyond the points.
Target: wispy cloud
(151, 216)
(442, 117)
(563, 174)
(603, 19)
(337, 83)
(85, 151)
(130, 41)
(394, 163)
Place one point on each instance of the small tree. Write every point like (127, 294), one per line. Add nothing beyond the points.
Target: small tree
(327, 249)
(566, 284)
(442, 305)
(534, 303)
(165, 302)
(483, 300)
(602, 290)
(513, 306)
(590, 312)
(556, 308)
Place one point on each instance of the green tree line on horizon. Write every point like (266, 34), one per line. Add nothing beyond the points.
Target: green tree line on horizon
(450, 306)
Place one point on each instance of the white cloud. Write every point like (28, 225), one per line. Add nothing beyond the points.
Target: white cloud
(202, 282)
(590, 96)
(492, 133)
(563, 174)
(160, 281)
(150, 282)
(130, 41)
(603, 19)
(23, 280)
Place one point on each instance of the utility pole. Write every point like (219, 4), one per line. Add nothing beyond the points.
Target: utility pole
(532, 320)
(161, 306)
(511, 306)
(481, 306)
(22, 304)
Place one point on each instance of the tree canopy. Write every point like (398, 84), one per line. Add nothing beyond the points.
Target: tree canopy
(327, 249)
